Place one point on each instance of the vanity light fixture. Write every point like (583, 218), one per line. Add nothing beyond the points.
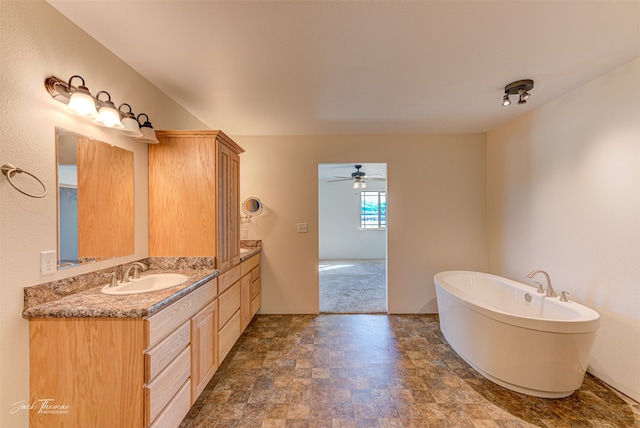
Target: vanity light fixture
(519, 87)
(108, 116)
(148, 134)
(78, 100)
(129, 121)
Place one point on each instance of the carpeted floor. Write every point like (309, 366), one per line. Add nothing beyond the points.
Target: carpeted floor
(353, 286)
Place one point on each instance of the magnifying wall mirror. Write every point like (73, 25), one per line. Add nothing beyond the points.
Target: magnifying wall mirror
(252, 207)
(95, 200)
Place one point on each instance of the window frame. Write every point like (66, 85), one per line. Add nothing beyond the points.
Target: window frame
(380, 195)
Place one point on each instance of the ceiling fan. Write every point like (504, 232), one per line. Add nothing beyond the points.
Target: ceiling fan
(359, 178)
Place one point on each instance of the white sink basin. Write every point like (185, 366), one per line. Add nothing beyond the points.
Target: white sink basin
(146, 284)
(244, 250)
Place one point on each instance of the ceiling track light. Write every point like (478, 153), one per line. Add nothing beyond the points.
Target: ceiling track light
(79, 101)
(520, 88)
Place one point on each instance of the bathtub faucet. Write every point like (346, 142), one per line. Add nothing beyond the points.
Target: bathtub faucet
(550, 292)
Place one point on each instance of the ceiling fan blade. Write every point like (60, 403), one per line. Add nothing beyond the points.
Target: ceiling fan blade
(339, 179)
(375, 178)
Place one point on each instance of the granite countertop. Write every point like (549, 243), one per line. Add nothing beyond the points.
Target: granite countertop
(80, 297)
(248, 254)
(93, 303)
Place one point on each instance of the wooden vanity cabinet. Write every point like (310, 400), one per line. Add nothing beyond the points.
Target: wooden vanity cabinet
(238, 300)
(94, 366)
(229, 310)
(194, 196)
(178, 384)
(249, 290)
(125, 372)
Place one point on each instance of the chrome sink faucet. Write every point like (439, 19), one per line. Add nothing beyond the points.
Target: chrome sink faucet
(550, 291)
(136, 266)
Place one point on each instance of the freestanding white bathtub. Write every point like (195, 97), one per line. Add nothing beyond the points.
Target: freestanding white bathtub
(513, 336)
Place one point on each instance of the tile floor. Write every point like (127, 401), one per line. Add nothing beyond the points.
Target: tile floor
(381, 371)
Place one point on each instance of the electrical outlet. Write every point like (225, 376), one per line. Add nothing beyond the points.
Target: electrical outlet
(303, 227)
(244, 233)
(47, 262)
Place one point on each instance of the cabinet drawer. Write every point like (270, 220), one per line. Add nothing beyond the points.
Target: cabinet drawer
(161, 324)
(249, 264)
(228, 304)
(228, 335)
(228, 278)
(255, 273)
(175, 411)
(165, 386)
(159, 357)
(255, 288)
(255, 304)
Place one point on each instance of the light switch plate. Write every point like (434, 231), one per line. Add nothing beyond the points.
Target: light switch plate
(244, 233)
(303, 227)
(47, 262)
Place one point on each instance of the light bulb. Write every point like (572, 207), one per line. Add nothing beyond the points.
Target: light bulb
(108, 117)
(82, 104)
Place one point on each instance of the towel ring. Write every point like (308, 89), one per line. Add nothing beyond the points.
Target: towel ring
(9, 171)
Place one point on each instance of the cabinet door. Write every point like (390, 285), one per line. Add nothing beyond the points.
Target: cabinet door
(224, 214)
(204, 352)
(245, 301)
(182, 196)
(234, 209)
(228, 207)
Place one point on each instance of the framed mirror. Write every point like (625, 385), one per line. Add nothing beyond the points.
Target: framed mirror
(252, 206)
(95, 200)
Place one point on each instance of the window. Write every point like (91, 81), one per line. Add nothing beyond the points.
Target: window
(373, 210)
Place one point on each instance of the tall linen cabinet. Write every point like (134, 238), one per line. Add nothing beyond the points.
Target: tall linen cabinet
(194, 196)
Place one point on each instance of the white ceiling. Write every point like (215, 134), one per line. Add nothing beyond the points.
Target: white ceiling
(361, 67)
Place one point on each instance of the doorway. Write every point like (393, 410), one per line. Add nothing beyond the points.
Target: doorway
(352, 237)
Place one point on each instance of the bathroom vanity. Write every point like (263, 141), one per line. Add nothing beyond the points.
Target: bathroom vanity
(137, 360)
(141, 360)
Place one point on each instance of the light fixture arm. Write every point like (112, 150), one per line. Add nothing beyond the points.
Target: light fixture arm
(126, 113)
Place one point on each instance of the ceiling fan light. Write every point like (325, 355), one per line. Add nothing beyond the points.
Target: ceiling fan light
(506, 101)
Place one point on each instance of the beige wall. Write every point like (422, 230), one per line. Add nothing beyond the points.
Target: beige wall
(36, 42)
(564, 196)
(436, 211)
